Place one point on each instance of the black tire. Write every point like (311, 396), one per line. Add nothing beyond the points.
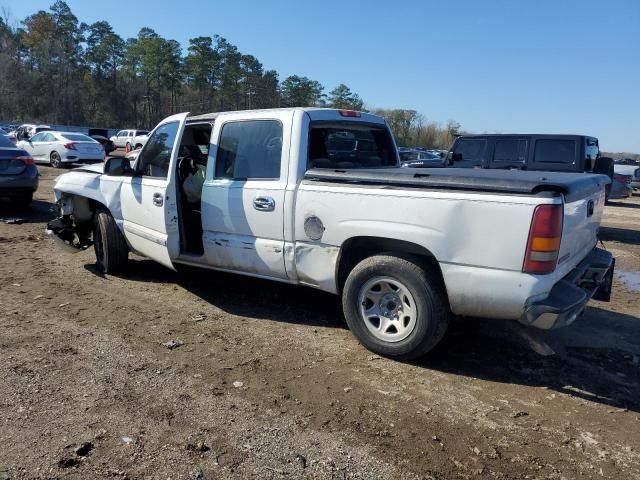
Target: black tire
(429, 296)
(55, 160)
(112, 252)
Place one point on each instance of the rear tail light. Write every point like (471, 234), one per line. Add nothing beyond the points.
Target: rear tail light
(70, 146)
(545, 235)
(622, 178)
(25, 160)
(349, 113)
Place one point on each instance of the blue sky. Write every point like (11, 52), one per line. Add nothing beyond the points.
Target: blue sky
(550, 66)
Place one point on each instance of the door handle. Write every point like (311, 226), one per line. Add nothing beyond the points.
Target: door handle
(264, 204)
(157, 199)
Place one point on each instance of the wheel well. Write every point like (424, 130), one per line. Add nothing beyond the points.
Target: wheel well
(356, 249)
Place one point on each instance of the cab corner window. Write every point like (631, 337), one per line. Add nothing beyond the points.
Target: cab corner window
(250, 150)
(156, 154)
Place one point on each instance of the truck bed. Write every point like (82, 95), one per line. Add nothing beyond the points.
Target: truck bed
(571, 185)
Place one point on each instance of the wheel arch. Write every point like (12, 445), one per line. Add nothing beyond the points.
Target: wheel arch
(356, 249)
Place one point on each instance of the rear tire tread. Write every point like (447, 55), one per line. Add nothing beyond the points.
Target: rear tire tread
(424, 283)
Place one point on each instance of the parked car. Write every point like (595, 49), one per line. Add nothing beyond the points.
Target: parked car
(63, 148)
(107, 144)
(421, 159)
(125, 138)
(28, 130)
(551, 153)
(18, 173)
(404, 248)
(621, 186)
(629, 169)
(140, 140)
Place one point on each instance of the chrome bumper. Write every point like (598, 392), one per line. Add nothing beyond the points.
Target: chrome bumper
(592, 278)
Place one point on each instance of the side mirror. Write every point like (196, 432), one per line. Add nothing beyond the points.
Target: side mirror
(118, 167)
(450, 156)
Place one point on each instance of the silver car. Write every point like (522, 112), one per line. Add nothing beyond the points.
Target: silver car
(60, 148)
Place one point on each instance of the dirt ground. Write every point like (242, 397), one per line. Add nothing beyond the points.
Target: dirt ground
(267, 382)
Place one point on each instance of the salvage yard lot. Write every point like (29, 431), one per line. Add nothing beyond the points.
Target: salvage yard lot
(262, 380)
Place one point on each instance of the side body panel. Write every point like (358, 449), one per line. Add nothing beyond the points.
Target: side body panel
(239, 234)
(478, 239)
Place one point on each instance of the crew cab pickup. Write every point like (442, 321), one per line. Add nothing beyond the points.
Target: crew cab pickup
(405, 248)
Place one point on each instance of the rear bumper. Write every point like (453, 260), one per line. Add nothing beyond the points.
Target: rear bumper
(592, 278)
(18, 185)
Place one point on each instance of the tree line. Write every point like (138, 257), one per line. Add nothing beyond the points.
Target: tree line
(56, 69)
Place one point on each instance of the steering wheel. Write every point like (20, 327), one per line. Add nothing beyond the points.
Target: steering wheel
(185, 166)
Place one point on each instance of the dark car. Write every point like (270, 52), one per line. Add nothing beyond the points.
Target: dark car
(551, 153)
(421, 159)
(107, 144)
(18, 173)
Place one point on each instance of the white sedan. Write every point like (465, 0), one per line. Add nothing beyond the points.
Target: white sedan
(60, 148)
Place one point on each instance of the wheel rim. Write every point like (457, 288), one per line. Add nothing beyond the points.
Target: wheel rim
(387, 309)
(55, 159)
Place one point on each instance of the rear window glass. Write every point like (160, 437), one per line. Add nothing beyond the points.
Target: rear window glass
(141, 132)
(470, 150)
(555, 151)
(77, 137)
(350, 146)
(42, 129)
(5, 142)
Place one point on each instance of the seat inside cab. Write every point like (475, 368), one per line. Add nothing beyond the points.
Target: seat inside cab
(191, 169)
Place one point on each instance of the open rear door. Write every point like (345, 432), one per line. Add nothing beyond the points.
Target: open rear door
(148, 198)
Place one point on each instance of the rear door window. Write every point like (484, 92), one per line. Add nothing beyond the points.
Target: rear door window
(250, 150)
(469, 152)
(555, 151)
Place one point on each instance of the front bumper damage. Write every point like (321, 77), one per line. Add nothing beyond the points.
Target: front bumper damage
(567, 300)
(66, 233)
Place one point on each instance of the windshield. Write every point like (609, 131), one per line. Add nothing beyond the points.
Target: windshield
(350, 146)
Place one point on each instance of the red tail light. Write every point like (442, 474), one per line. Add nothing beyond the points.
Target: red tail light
(622, 178)
(545, 235)
(349, 113)
(26, 160)
(70, 146)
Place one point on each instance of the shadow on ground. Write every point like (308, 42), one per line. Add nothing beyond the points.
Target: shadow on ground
(612, 203)
(596, 368)
(38, 211)
(623, 235)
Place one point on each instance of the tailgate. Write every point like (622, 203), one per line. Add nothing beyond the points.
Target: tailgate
(582, 218)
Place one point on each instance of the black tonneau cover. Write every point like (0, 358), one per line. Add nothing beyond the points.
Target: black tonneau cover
(573, 186)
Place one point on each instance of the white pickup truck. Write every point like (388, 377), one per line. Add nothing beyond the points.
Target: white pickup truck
(315, 197)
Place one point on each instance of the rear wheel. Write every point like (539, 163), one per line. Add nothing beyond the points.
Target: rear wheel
(55, 160)
(109, 244)
(395, 307)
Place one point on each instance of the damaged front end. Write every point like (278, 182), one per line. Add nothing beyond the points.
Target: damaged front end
(70, 236)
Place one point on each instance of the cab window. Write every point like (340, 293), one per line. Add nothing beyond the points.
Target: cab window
(250, 149)
(155, 157)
